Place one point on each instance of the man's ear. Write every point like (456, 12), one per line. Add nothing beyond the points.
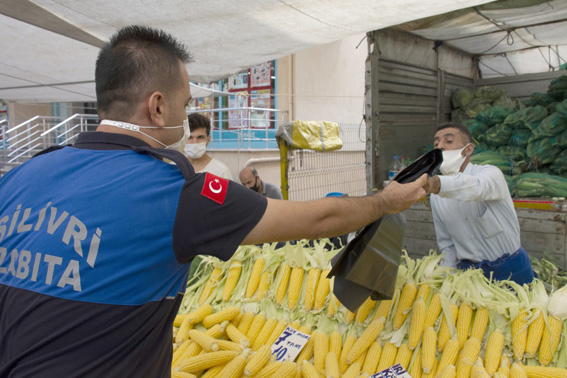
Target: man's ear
(156, 108)
(470, 149)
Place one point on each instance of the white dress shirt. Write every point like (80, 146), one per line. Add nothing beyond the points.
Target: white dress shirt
(216, 167)
(474, 216)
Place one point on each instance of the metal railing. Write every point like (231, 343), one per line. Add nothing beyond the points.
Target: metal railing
(22, 141)
(243, 127)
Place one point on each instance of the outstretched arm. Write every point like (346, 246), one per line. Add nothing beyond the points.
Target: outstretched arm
(328, 217)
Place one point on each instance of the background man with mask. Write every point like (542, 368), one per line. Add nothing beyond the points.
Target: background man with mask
(96, 238)
(249, 178)
(474, 216)
(197, 146)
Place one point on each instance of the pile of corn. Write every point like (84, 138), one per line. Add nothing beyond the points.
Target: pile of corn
(440, 322)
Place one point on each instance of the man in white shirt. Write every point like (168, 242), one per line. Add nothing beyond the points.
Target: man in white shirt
(196, 148)
(474, 216)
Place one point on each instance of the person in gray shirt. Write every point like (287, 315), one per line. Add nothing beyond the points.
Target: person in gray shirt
(249, 178)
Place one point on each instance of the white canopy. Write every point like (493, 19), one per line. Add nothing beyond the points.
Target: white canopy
(49, 47)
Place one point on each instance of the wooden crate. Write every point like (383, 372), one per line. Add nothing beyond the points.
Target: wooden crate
(539, 229)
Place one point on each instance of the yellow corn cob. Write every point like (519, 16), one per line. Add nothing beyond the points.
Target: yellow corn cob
(206, 361)
(372, 358)
(182, 348)
(295, 325)
(347, 346)
(493, 351)
(235, 335)
(265, 333)
(480, 323)
(478, 371)
(332, 365)
(284, 281)
(433, 371)
(423, 291)
(428, 349)
(333, 306)
(335, 343)
(217, 330)
(308, 370)
(236, 321)
(349, 317)
(264, 285)
(295, 283)
(365, 340)
(504, 368)
(416, 323)
(517, 371)
(415, 370)
(183, 331)
(448, 371)
(403, 356)
(444, 333)
(305, 329)
(498, 374)
(535, 332)
(387, 357)
(220, 316)
(277, 331)
(179, 319)
(205, 341)
(213, 282)
(545, 372)
(519, 335)
(268, 370)
(320, 350)
(234, 368)
(213, 372)
(364, 310)
(286, 370)
(464, 323)
(255, 275)
(361, 358)
(258, 360)
(256, 327)
(192, 350)
(550, 340)
(231, 280)
(433, 311)
(404, 304)
(383, 309)
(229, 345)
(450, 353)
(311, 286)
(467, 357)
(199, 314)
(307, 351)
(322, 292)
(180, 374)
(245, 322)
(353, 371)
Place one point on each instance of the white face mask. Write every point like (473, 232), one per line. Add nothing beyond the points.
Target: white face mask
(452, 161)
(195, 150)
(178, 146)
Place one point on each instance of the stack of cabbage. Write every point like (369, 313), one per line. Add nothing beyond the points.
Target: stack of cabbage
(440, 322)
(520, 137)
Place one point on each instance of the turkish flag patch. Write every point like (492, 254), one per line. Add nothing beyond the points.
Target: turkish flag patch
(215, 188)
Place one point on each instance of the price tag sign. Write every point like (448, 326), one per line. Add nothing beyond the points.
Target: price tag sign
(396, 371)
(289, 344)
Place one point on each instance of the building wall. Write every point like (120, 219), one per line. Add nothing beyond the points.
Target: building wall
(324, 82)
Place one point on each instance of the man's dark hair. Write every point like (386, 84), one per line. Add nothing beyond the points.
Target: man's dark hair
(137, 61)
(199, 121)
(463, 129)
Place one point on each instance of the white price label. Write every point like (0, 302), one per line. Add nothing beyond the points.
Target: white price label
(289, 344)
(396, 371)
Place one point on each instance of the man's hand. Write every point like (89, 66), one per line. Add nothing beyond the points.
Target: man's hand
(433, 185)
(399, 197)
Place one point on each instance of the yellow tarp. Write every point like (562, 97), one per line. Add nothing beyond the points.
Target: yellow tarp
(311, 135)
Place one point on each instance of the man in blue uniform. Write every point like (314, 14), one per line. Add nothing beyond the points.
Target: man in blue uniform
(96, 238)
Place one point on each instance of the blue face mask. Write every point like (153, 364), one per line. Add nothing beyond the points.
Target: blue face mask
(178, 146)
